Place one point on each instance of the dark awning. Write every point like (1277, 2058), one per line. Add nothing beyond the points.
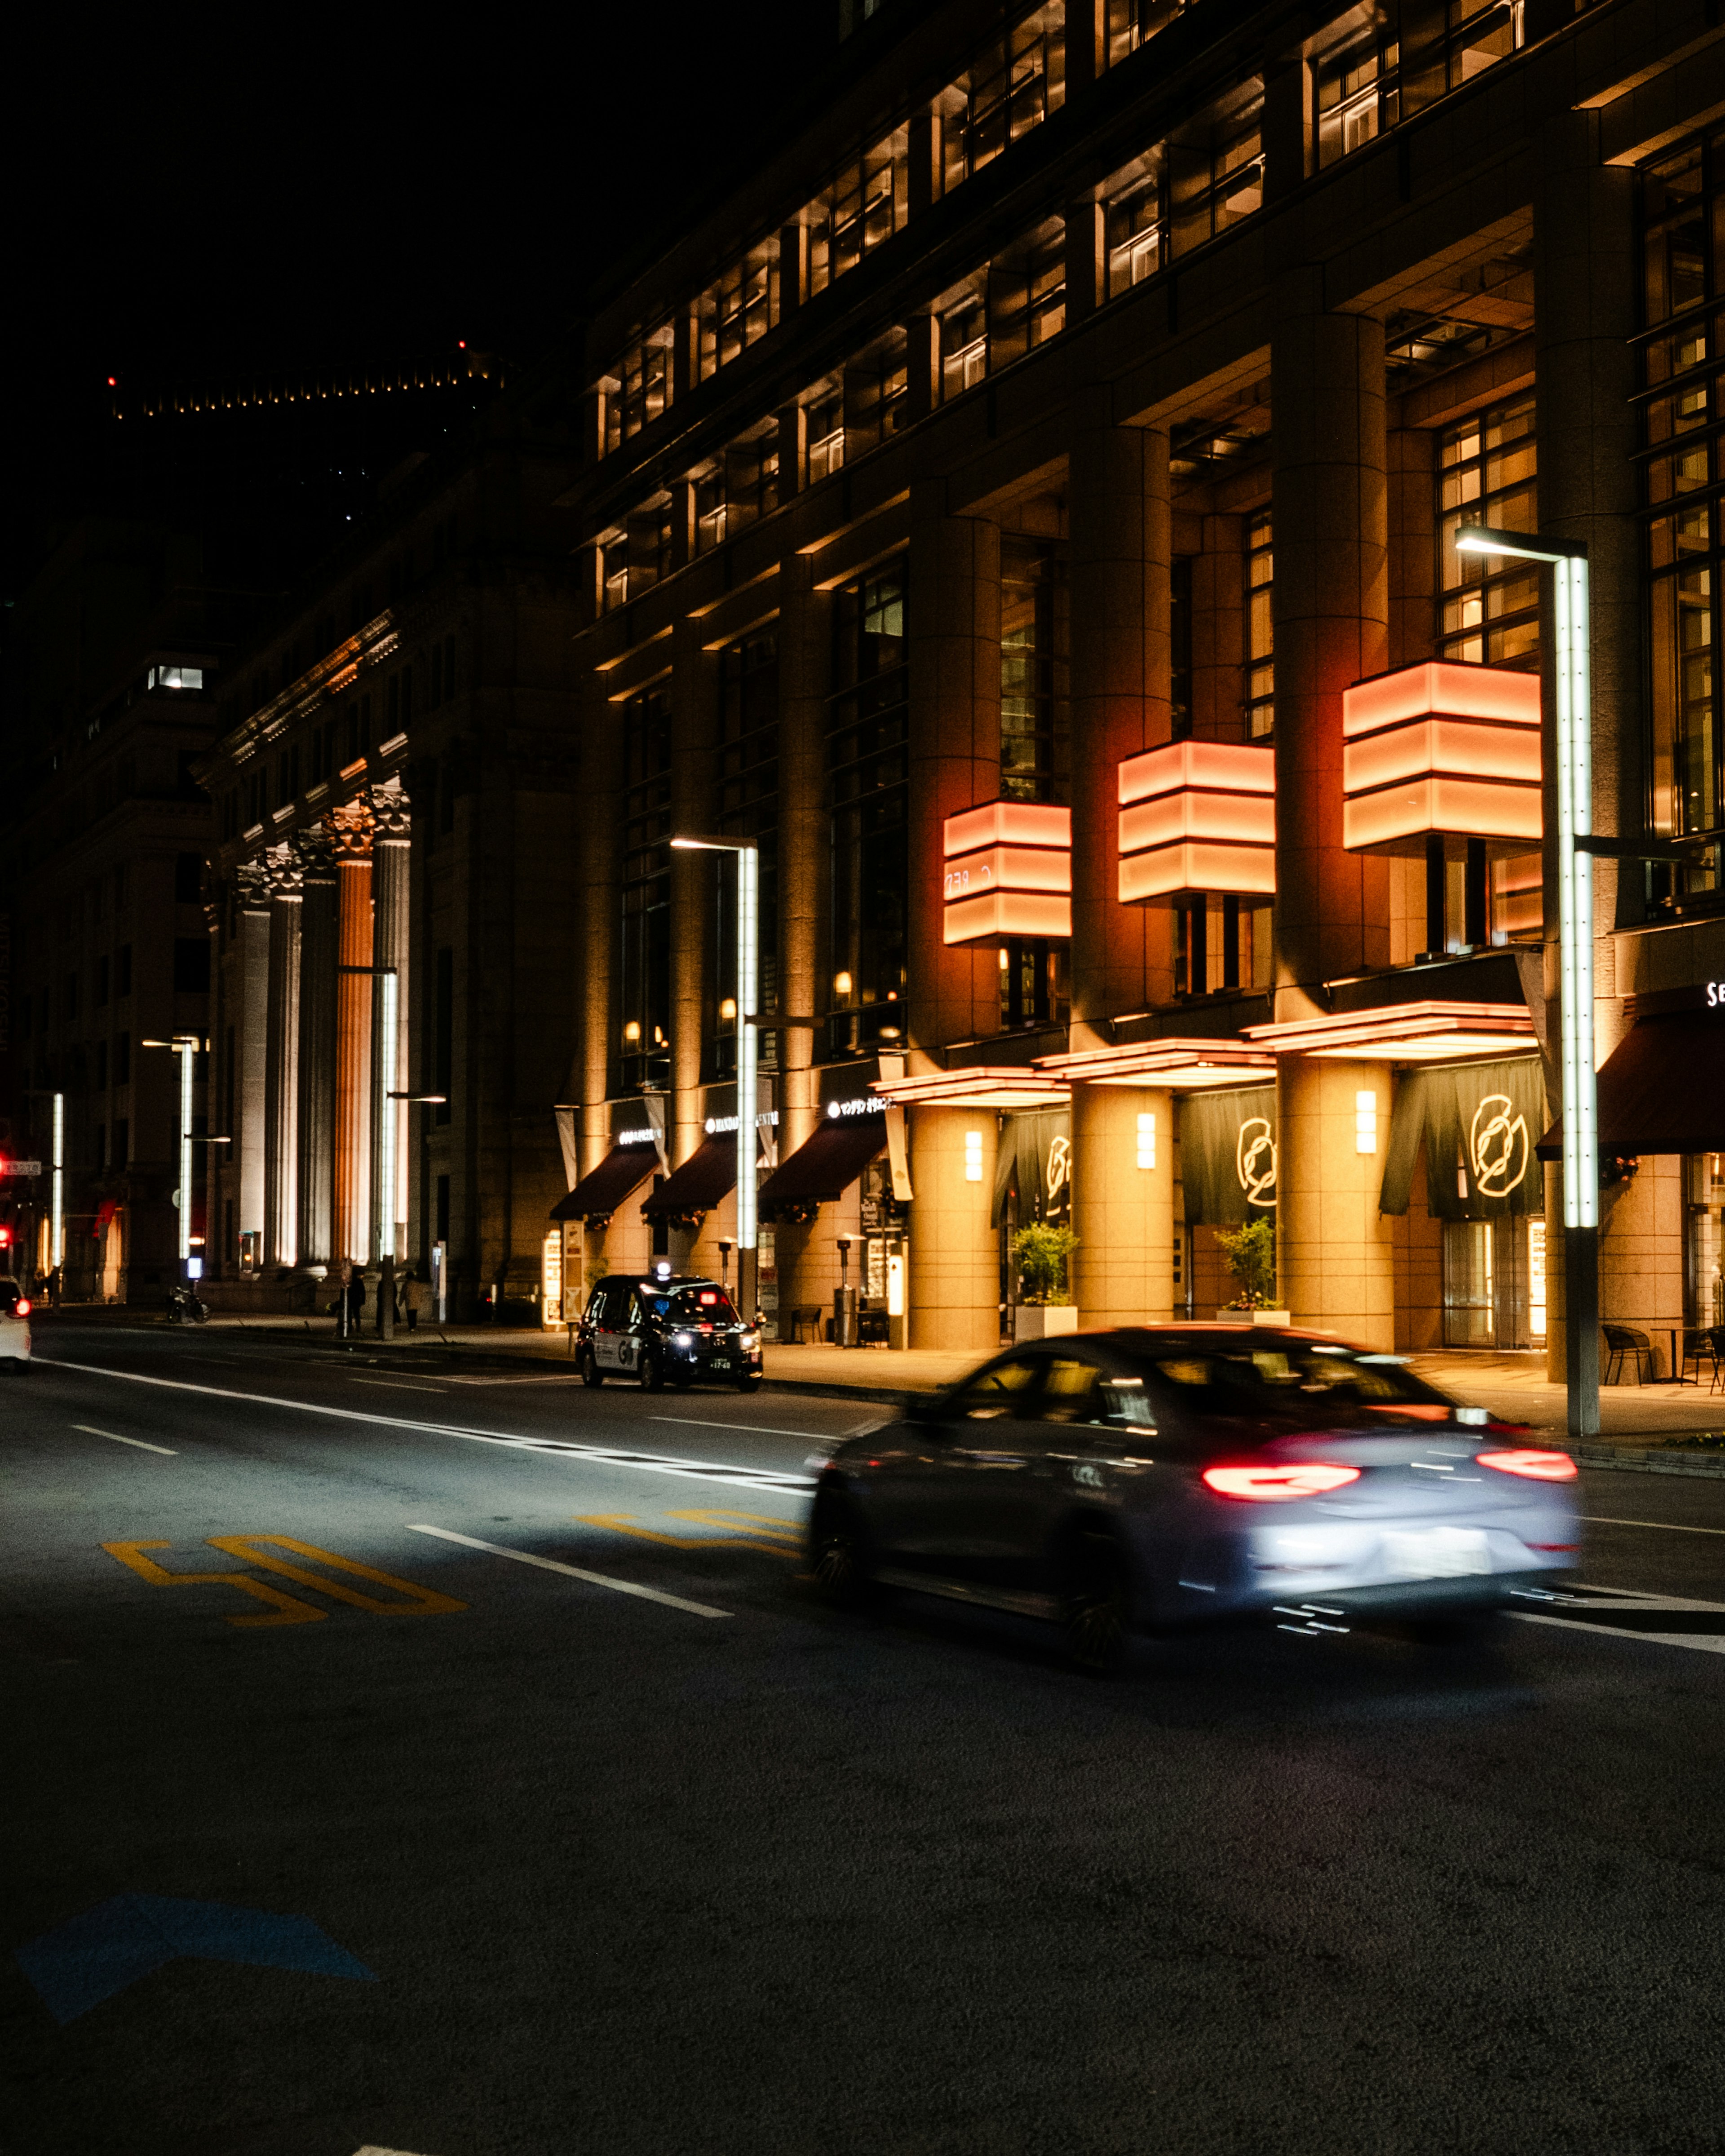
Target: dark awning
(708, 1175)
(1661, 1089)
(602, 1190)
(824, 1166)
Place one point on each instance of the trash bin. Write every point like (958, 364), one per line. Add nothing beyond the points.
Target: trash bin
(845, 1318)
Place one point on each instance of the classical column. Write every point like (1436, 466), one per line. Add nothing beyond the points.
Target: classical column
(316, 854)
(392, 827)
(252, 1048)
(693, 877)
(1122, 956)
(600, 906)
(350, 828)
(281, 1090)
(955, 1266)
(1123, 1204)
(1330, 609)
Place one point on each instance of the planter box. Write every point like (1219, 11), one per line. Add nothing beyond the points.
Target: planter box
(1254, 1318)
(1043, 1321)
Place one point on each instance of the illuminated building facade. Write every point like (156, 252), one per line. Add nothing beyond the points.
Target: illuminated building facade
(988, 510)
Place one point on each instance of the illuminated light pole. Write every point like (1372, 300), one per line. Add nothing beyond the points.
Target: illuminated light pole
(186, 1046)
(748, 887)
(57, 1188)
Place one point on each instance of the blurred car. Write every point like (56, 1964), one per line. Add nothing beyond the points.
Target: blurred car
(666, 1327)
(1164, 1477)
(15, 1325)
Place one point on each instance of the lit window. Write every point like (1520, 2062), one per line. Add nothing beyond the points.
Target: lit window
(972, 1156)
(1365, 1122)
(1147, 1141)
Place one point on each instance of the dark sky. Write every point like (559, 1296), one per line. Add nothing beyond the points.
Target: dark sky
(192, 196)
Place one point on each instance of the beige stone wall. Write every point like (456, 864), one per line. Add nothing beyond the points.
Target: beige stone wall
(1419, 1246)
(955, 1275)
(1337, 1251)
(1123, 1215)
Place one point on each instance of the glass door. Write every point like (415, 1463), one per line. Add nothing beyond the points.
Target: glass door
(1470, 1270)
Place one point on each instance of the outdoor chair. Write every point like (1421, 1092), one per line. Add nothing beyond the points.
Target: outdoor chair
(1621, 1340)
(1700, 1345)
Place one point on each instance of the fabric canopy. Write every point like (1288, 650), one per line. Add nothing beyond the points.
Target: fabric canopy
(602, 1191)
(1035, 1159)
(1228, 1155)
(708, 1175)
(1661, 1089)
(1477, 1122)
(825, 1165)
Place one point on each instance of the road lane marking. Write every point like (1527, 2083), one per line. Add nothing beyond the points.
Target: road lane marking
(397, 1384)
(775, 1539)
(289, 1609)
(754, 1428)
(89, 1431)
(698, 1471)
(570, 1571)
(1707, 1637)
(1669, 1526)
(417, 1601)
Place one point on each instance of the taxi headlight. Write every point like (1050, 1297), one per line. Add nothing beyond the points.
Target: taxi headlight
(682, 1340)
(750, 1340)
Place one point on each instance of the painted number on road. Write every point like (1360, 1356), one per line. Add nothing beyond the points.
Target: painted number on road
(410, 1599)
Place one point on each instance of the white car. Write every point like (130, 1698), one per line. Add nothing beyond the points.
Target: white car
(15, 1325)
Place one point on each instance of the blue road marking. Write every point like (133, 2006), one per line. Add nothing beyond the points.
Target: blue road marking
(90, 1958)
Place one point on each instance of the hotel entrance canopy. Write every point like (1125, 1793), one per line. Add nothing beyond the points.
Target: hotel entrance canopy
(1404, 1033)
(825, 1165)
(705, 1178)
(1183, 1064)
(603, 1188)
(1660, 1090)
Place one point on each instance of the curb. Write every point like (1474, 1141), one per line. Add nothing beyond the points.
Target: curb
(1662, 1461)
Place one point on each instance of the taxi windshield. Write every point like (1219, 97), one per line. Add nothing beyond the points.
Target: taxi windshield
(701, 1303)
(1300, 1384)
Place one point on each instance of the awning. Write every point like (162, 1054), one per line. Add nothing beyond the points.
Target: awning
(1661, 1089)
(1475, 1120)
(1228, 1155)
(1033, 1161)
(623, 1169)
(708, 1175)
(824, 1166)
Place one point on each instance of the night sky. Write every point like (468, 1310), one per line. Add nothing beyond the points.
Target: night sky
(236, 193)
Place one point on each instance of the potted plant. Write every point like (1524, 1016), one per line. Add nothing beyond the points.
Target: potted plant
(1249, 1255)
(1041, 1252)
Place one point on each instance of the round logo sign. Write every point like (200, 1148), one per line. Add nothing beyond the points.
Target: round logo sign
(1254, 1160)
(1059, 1165)
(1497, 1146)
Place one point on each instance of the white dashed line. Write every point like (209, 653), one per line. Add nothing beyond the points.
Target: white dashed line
(114, 1436)
(572, 1572)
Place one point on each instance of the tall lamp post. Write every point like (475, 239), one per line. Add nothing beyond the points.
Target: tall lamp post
(186, 1046)
(748, 887)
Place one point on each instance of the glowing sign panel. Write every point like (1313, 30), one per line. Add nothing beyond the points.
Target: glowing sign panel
(1008, 873)
(1198, 816)
(1440, 749)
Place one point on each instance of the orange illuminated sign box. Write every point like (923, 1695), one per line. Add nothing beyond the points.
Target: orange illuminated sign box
(1007, 873)
(1198, 816)
(1440, 750)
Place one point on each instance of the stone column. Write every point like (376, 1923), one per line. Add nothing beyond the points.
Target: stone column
(805, 985)
(594, 954)
(693, 877)
(316, 854)
(1330, 607)
(1122, 956)
(954, 755)
(1584, 271)
(1123, 1213)
(251, 1049)
(955, 1267)
(281, 1221)
(391, 861)
(351, 824)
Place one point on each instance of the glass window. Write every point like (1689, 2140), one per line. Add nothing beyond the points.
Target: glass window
(640, 389)
(866, 203)
(868, 773)
(1298, 1386)
(1447, 43)
(1135, 221)
(994, 1395)
(1488, 611)
(1015, 82)
(1260, 627)
(1035, 715)
(740, 308)
(643, 973)
(1216, 170)
(1704, 1269)
(1131, 23)
(1071, 1391)
(748, 793)
(1355, 96)
(1027, 294)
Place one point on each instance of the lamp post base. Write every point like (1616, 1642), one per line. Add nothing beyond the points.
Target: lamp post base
(1581, 1329)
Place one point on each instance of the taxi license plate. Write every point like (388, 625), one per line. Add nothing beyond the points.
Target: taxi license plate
(721, 1362)
(1436, 1552)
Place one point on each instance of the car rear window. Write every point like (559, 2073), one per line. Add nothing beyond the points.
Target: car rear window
(696, 1305)
(1300, 1385)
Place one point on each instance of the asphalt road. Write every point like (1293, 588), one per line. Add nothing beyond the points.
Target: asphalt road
(538, 1864)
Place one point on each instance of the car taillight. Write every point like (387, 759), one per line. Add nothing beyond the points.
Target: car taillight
(1307, 1479)
(1538, 1467)
(21, 1308)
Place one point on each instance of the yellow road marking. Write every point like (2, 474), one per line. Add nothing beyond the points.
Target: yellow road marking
(289, 1611)
(417, 1601)
(617, 1525)
(754, 1523)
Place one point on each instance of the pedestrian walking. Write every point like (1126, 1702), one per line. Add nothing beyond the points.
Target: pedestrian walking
(407, 1297)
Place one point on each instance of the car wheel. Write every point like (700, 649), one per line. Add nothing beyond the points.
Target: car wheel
(591, 1373)
(1096, 1608)
(652, 1375)
(838, 1552)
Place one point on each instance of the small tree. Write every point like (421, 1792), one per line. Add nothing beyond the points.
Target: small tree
(1250, 1252)
(1040, 1253)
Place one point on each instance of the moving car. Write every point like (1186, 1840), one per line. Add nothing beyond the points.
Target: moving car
(666, 1326)
(1164, 1477)
(15, 1325)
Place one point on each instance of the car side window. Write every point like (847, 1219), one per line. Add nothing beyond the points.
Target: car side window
(596, 1305)
(1003, 1390)
(1071, 1391)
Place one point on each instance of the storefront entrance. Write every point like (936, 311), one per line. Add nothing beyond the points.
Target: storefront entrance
(1494, 1283)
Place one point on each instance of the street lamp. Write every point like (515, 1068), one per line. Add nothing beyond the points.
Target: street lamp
(186, 1046)
(748, 886)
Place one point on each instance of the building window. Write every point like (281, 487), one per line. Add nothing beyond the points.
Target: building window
(874, 386)
(613, 573)
(1135, 221)
(826, 435)
(644, 973)
(1016, 81)
(1355, 96)
(964, 340)
(1488, 611)
(1447, 43)
(1216, 170)
(640, 389)
(749, 808)
(1035, 719)
(1260, 626)
(1131, 23)
(864, 205)
(1027, 294)
(122, 1058)
(739, 309)
(868, 770)
(1684, 286)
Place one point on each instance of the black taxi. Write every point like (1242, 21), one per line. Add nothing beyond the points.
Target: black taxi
(664, 1327)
